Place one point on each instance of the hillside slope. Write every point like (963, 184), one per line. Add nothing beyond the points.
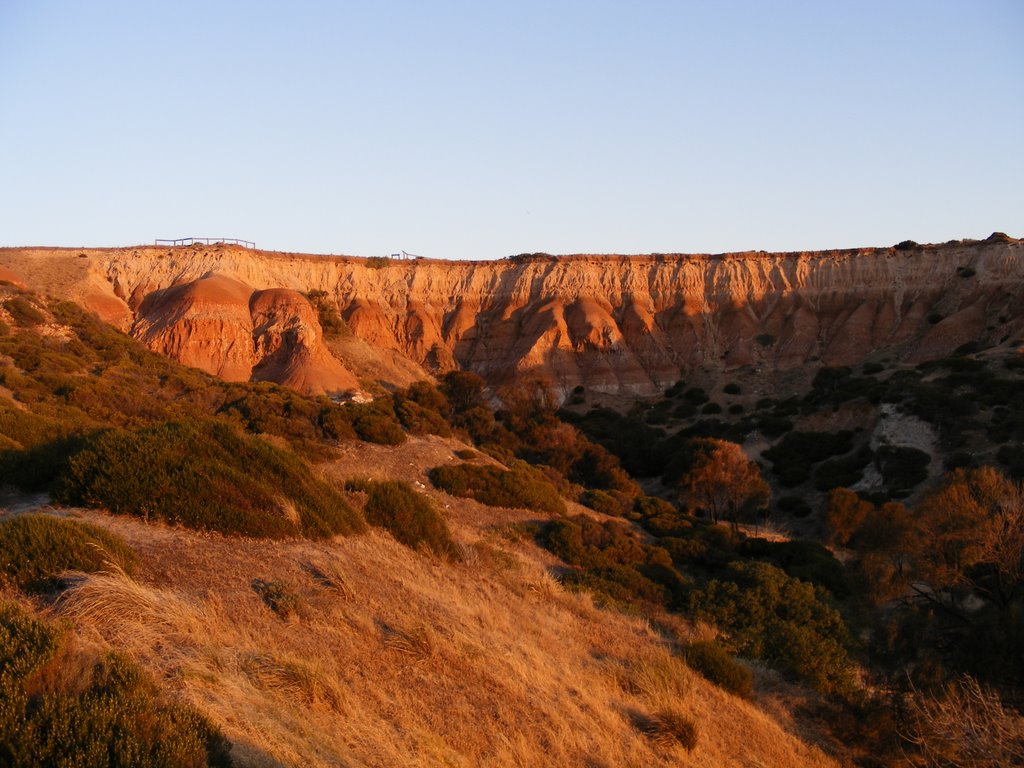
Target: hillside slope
(395, 658)
(614, 324)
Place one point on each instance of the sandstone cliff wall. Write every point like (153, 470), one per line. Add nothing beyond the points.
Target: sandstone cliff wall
(614, 323)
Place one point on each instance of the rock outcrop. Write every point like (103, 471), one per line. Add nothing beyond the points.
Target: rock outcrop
(289, 345)
(223, 326)
(615, 324)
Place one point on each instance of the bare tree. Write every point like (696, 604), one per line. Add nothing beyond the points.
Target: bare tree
(966, 726)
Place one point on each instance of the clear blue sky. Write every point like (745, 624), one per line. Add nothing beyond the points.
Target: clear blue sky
(480, 129)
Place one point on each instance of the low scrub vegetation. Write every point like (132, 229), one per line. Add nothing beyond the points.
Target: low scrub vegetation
(62, 706)
(714, 663)
(205, 475)
(36, 549)
(407, 515)
(766, 614)
(520, 486)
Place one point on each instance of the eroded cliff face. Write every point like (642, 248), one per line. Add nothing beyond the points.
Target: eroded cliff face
(613, 324)
(225, 327)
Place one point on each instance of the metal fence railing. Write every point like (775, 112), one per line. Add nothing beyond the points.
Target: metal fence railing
(207, 241)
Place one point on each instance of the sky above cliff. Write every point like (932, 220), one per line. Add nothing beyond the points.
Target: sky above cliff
(480, 130)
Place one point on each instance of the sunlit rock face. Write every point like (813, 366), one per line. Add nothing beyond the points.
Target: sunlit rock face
(614, 324)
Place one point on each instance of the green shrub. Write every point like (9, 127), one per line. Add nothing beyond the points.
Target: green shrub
(36, 549)
(60, 707)
(621, 585)
(765, 339)
(327, 314)
(1012, 457)
(612, 561)
(336, 423)
(652, 506)
(407, 515)
(903, 468)
(205, 475)
(520, 486)
(732, 388)
(714, 663)
(773, 426)
(696, 395)
(420, 420)
(376, 422)
(794, 505)
(805, 560)
(769, 615)
(603, 502)
(842, 472)
(794, 456)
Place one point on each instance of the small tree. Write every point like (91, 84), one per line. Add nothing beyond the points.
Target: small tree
(723, 481)
(845, 513)
(975, 528)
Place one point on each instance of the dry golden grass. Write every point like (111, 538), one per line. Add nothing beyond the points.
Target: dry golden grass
(401, 659)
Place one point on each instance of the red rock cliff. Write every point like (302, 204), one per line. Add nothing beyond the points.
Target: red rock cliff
(612, 323)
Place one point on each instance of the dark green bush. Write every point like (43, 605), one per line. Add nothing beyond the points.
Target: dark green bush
(622, 585)
(696, 395)
(793, 457)
(612, 561)
(602, 501)
(805, 560)
(1012, 457)
(327, 314)
(794, 505)
(842, 472)
(714, 663)
(60, 707)
(407, 515)
(376, 422)
(652, 506)
(36, 549)
(419, 420)
(903, 468)
(205, 475)
(769, 615)
(520, 486)
(732, 388)
(773, 426)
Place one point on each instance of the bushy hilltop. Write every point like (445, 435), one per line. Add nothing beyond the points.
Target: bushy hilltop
(423, 580)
